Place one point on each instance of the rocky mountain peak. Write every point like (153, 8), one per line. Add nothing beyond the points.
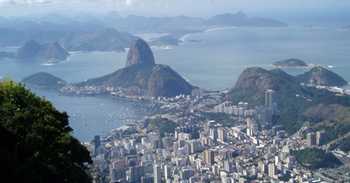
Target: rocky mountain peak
(140, 53)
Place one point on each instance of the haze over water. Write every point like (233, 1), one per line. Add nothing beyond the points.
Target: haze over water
(211, 60)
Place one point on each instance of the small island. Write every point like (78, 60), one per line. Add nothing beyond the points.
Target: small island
(43, 80)
(168, 40)
(292, 62)
(32, 50)
(35, 51)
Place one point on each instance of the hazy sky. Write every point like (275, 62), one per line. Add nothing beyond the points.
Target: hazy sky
(285, 8)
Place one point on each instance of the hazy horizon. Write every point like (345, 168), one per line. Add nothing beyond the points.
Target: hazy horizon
(313, 11)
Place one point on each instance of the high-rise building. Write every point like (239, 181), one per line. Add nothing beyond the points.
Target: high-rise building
(97, 144)
(262, 167)
(186, 173)
(146, 179)
(135, 173)
(221, 134)
(209, 156)
(320, 135)
(277, 160)
(269, 99)
(311, 139)
(213, 133)
(228, 166)
(272, 170)
(195, 146)
(269, 109)
(157, 176)
(117, 174)
(251, 127)
(167, 173)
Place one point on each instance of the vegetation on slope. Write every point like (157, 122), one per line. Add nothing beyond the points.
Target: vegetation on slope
(44, 80)
(162, 125)
(224, 119)
(37, 145)
(334, 120)
(314, 158)
(292, 98)
(321, 76)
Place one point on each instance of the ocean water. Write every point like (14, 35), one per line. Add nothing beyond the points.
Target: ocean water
(91, 116)
(212, 60)
(216, 58)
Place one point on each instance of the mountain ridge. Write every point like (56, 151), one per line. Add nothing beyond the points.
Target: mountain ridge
(321, 76)
(241, 19)
(292, 98)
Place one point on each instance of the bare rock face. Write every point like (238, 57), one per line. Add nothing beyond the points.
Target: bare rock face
(140, 53)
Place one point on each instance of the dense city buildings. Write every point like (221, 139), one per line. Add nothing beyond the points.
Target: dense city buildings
(179, 144)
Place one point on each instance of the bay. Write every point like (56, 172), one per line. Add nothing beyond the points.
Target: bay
(211, 59)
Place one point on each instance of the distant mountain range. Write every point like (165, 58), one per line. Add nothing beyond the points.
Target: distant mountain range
(108, 33)
(89, 39)
(137, 24)
(108, 39)
(241, 19)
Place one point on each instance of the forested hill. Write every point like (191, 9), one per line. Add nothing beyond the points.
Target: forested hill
(37, 145)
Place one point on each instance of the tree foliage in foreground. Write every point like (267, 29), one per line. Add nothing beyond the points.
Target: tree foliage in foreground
(36, 140)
